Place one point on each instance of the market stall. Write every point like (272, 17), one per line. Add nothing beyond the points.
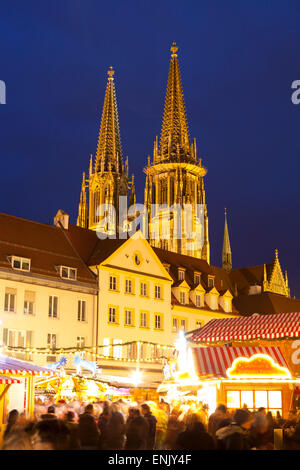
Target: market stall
(17, 386)
(236, 376)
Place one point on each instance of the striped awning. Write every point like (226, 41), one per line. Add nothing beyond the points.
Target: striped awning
(281, 325)
(215, 360)
(8, 380)
(12, 366)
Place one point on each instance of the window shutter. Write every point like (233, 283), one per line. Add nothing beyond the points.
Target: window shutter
(50, 307)
(6, 302)
(55, 299)
(83, 310)
(28, 339)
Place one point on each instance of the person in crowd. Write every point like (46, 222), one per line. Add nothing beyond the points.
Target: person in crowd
(235, 436)
(12, 422)
(195, 436)
(50, 434)
(89, 434)
(151, 420)
(17, 440)
(278, 420)
(73, 428)
(115, 430)
(291, 437)
(215, 418)
(137, 430)
(174, 427)
(291, 421)
(262, 432)
(103, 420)
(50, 413)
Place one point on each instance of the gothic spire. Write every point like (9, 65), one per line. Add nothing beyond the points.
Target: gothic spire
(82, 211)
(174, 140)
(226, 252)
(109, 149)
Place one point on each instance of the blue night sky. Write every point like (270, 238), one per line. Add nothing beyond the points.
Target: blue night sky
(238, 60)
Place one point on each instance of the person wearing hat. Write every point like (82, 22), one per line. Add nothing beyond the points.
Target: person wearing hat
(235, 436)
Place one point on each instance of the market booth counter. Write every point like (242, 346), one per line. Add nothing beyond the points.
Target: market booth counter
(235, 376)
(17, 387)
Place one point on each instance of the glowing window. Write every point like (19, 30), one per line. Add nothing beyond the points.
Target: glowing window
(233, 399)
(261, 398)
(247, 398)
(275, 399)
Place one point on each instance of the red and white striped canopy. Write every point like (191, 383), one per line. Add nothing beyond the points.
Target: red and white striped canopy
(215, 360)
(8, 380)
(10, 365)
(281, 325)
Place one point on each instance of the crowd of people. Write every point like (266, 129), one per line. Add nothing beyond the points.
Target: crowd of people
(147, 426)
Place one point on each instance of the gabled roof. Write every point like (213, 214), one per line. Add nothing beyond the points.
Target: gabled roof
(47, 246)
(265, 303)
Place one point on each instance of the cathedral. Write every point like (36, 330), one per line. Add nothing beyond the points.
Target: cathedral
(174, 178)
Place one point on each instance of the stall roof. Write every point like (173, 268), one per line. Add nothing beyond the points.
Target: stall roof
(8, 380)
(281, 325)
(10, 365)
(215, 360)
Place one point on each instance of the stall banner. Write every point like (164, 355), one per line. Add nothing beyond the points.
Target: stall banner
(291, 352)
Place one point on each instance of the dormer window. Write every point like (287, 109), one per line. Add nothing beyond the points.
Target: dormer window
(22, 264)
(68, 273)
(197, 278)
(167, 268)
(211, 281)
(181, 274)
(182, 297)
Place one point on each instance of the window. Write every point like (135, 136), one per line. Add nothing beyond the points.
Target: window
(144, 322)
(158, 325)
(106, 347)
(80, 341)
(117, 350)
(81, 316)
(51, 340)
(22, 264)
(167, 268)
(29, 301)
(199, 324)
(143, 289)
(112, 317)
(197, 278)
(254, 399)
(157, 292)
(181, 274)
(182, 297)
(53, 303)
(68, 273)
(112, 283)
(128, 317)
(16, 338)
(182, 324)
(175, 324)
(10, 300)
(128, 286)
(211, 282)
(198, 300)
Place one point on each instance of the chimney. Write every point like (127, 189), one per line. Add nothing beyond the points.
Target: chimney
(61, 219)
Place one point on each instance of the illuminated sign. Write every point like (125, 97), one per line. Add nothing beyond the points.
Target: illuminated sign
(258, 366)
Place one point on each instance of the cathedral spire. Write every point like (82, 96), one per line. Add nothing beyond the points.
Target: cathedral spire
(174, 133)
(109, 149)
(226, 252)
(82, 210)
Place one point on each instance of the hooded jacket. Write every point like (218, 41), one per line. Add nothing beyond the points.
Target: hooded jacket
(233, 437)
